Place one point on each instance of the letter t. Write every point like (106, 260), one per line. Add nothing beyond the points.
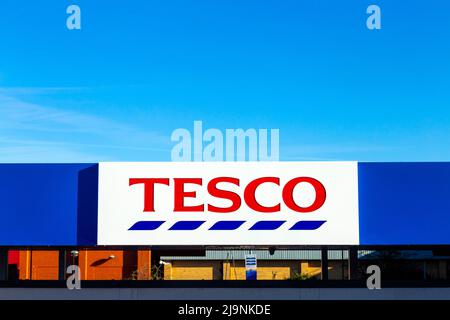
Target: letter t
(149, 190)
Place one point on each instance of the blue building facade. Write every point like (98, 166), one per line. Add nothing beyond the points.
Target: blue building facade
(56, 204)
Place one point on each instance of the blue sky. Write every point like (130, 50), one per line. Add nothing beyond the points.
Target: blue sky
(115, 90)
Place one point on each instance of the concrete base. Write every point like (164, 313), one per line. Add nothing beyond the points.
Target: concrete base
(225, 294)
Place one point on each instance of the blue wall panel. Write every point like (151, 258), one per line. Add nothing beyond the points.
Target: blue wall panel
(40, 204)
(404, 203)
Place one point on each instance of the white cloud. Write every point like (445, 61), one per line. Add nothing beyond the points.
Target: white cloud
(38, 133)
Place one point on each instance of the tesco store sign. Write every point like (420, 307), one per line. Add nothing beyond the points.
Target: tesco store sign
(228, 203)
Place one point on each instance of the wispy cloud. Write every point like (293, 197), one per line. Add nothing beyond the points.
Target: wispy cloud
(46, 154)
(39, 133)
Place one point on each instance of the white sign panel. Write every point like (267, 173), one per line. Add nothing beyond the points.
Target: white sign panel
(228, 203)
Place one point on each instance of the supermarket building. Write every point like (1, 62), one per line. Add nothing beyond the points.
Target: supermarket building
(94, 216)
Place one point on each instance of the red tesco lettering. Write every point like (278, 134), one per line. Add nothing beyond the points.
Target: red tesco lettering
(180, 194)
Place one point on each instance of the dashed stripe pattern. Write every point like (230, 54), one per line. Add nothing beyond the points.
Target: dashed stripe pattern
(227, 225)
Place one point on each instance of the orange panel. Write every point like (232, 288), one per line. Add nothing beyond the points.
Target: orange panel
(44, 265)
(94, 264)
(144, 265)
(107, 264)
(24, 264)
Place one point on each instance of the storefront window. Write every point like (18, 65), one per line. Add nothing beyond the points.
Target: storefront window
(292, 265)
